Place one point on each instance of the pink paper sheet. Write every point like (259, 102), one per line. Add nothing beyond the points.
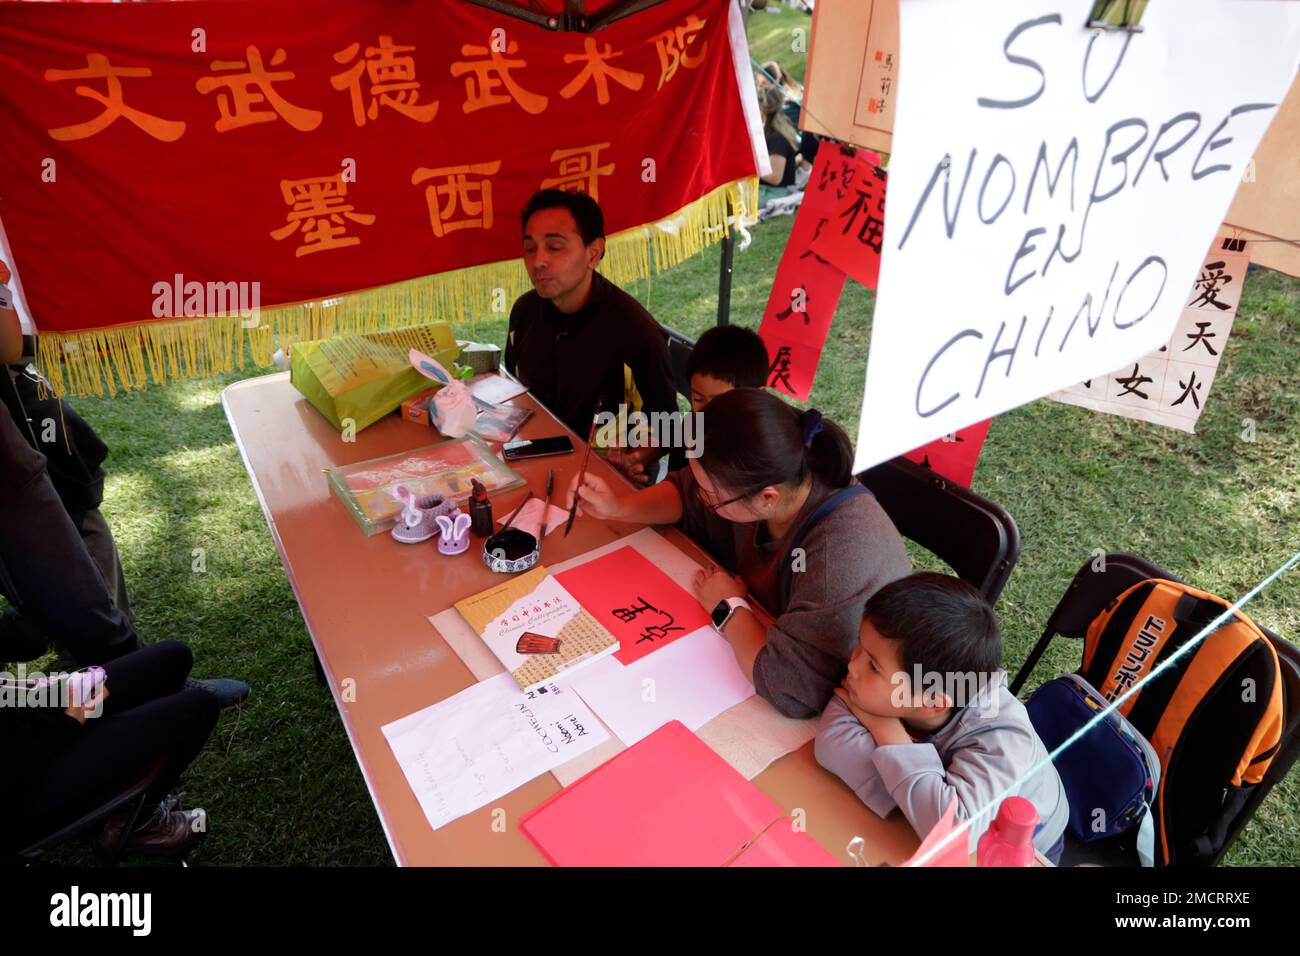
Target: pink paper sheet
(639, 604)
(956, 852)
(782, 845)
(668, 801)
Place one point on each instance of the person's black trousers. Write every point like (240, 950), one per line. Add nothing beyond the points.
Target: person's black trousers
(149, 715)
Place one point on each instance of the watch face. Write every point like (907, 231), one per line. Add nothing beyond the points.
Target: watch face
(720, 613)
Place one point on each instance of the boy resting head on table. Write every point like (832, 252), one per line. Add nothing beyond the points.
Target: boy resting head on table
(924, 715)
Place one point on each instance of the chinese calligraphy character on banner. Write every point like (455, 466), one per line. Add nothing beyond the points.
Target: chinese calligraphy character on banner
(244, 90)
(318, 207)
(599, 72)
(485, 77)
(579, 170)
(98, 67)
(463, 197)
(392, 82)
(1170, 385)
(674, 49)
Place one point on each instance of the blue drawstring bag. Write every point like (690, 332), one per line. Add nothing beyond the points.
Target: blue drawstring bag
(1110, 774)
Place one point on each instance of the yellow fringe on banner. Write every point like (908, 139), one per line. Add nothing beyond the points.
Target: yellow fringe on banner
(161, 350)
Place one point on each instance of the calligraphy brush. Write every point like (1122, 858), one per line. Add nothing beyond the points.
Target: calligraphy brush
(514, 514)
(591, 436)
(546, 508)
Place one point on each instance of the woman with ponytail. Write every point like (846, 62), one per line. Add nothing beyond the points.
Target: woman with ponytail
(772, 496)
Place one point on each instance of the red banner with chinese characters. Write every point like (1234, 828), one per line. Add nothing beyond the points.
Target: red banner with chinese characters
(154, 149)
(850, 237)
(807, 288)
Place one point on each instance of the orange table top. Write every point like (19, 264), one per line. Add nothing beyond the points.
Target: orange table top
(366, 603)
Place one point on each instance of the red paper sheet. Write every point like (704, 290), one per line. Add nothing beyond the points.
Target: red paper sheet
(639, 604)
(954, 456)
(782, 845)
(667, 801)
(850, 237)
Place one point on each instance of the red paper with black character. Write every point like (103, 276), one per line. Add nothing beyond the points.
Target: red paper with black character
(851, 238)
(954, 456)
(321, 149)
(639, 604)
(806, 289)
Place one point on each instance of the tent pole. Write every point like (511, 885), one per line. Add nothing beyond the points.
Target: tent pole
(724, 273)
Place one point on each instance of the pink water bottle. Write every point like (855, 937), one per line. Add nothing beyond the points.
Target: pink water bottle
(1010, 840)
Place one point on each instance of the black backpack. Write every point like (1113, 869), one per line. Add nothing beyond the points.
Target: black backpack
(75, 452)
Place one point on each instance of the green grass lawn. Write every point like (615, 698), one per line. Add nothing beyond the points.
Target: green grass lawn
(781, 34)
(279, 778)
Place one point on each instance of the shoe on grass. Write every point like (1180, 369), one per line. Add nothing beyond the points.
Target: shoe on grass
(164, 833)
(228, 692)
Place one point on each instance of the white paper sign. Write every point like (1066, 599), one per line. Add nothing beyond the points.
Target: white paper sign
(466, 751)
(1052, 193)
(693, 679)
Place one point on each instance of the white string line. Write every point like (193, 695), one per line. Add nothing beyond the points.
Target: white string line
(1082, 731)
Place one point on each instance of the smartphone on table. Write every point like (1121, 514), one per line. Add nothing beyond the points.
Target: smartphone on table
(526, 448)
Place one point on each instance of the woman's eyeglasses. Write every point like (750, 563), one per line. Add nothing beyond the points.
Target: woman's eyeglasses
(707, 500)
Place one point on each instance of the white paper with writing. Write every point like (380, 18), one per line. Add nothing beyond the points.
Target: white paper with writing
(466, 751)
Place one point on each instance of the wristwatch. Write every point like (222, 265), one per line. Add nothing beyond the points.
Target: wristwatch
(727, 607)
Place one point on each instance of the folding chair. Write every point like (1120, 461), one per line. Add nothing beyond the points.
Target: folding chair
(134, 798)
(1088, 594)
(975, 537)
(679, 353)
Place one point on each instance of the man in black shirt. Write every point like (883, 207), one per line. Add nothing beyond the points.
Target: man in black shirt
(571, 337)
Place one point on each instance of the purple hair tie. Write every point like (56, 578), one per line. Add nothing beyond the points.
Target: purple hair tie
(812, 426)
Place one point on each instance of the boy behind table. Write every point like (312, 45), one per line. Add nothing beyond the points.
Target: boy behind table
(725, 357)
(897, 744)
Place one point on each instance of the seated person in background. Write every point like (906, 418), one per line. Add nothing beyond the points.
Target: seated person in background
(916, 748)
(793, 109)
(782, 145)
(570, 338)
(725, 357)
(765, 472)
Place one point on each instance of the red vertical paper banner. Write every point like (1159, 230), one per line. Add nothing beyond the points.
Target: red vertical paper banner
(806, 289)
(954, 456)
(850, 239)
